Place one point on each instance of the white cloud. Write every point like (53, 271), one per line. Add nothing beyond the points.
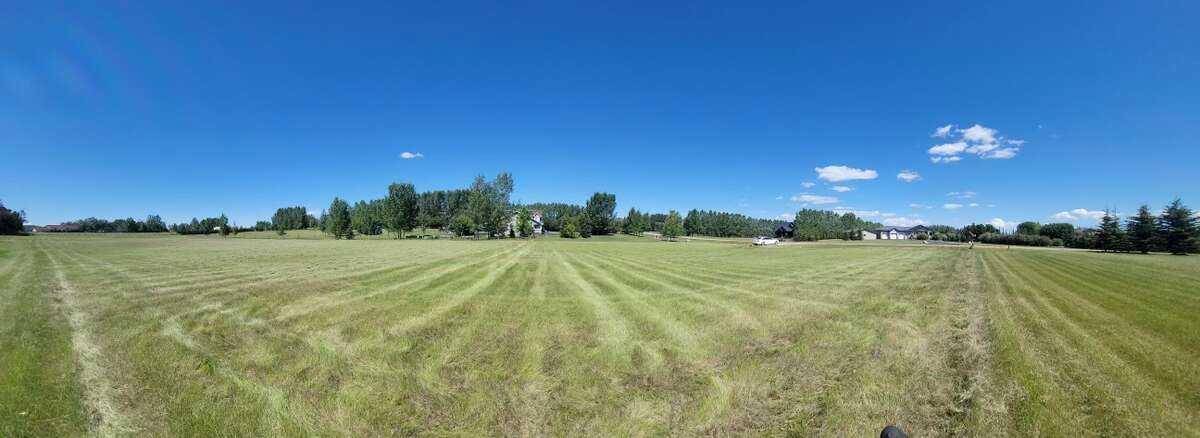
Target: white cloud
(903, 222)
(919, 206)
(1078, 214)
(978, 140)
(948, 148)
(860, 213)
(952, 206)
(843, 173)
(1001, 154)
(945, 159)
(962, 195)
(908, 175)
(943, 131)
(991, 205)
(973, 204)
(979, 134)
(1002, 224)
(411, 155)
(786, 216)
(779, 198)
(808, 184)
(841, 189)
(808, 198)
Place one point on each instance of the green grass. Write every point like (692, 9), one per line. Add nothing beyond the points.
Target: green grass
(168, 335)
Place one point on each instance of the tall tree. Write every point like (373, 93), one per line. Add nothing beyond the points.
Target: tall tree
(673, 227)
(1177, 228)
(524, 223)
(1110, 237)
(691, 224)
(400, 208)
(11, 222)
(570, 227)
(338, 223)
(1029, 228)
(600, 211)
(1142, 231)
(635, 223)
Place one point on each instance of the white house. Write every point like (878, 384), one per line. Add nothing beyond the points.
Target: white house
(894, 233)
(535, 215)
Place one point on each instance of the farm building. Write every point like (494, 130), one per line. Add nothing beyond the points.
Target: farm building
(894, 233)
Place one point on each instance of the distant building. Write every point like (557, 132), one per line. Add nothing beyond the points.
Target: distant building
(60, 228)
(894, 233)
(535, 217)
(785, 231)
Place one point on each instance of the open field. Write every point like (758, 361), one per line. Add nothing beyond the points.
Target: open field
(168, 335)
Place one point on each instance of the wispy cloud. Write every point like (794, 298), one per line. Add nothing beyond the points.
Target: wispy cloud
(942, 131)
(411, 155)
(841, 189)
(952, 206)
(902, 221)
(978, 140)
(908, 176)
(808, 198)
(845, 173)
(1078, 214)
(808, 184)
(919, 206)
(962, 195)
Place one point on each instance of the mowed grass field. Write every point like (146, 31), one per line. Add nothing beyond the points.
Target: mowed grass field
(203, 336)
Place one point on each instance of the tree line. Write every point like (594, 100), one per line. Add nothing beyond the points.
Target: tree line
(11, 221)
(152, 224)
(1175, 230)
(812, 225)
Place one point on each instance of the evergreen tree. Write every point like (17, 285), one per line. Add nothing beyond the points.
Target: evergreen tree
(570, 227)
(1142, 231)
(691, 224)
(400, 208)
(1110, 237)
(338, 223)
(673, 227)
(635, 223)
(599, 213)
(1177, 229)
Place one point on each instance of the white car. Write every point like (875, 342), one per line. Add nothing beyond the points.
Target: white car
(763, 241)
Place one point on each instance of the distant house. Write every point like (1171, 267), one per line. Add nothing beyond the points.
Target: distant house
(785, 231)
(60, 228)
(535, 217)
(894, 233)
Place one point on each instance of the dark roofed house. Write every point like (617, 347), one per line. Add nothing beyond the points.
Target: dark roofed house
(894, 233)
(785, 231)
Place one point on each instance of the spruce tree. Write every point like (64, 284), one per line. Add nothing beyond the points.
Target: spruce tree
(1110, 237)
(1142, 231)
(339, 220)
(1177, 229)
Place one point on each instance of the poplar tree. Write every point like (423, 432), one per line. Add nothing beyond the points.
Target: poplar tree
(673, 227)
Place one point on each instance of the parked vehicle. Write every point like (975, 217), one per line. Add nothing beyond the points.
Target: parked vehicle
(763, 241)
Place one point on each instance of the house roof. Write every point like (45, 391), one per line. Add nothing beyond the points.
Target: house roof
(902, 229)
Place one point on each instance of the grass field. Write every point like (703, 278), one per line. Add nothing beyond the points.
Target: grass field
(168, 335)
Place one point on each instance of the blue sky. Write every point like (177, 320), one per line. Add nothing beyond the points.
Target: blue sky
(193, 109)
